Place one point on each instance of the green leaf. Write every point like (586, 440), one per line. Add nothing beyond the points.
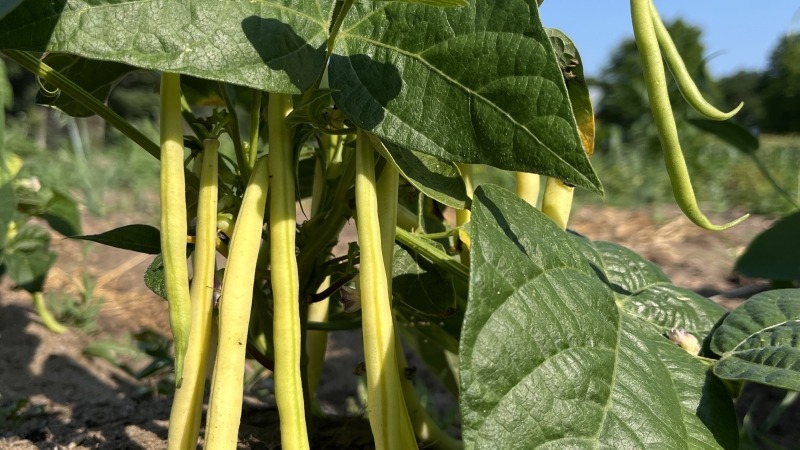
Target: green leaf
(775, 253)
(96, 77)
(154, 277)
(28, 257)
(62, 214)
(439, 180)
(138, 238)
(421, 286)
(277, 46)
(548, 360)
(732, 133)
(643, 290)
(478, 84)
(760, 340)
(572, 68)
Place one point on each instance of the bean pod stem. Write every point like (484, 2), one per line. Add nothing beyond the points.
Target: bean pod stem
(187, 407)
(285, 281)
(646, 40)
(173, 218)
(236, 298)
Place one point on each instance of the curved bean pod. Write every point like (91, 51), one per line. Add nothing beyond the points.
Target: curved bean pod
(645, 35)
(686, 85)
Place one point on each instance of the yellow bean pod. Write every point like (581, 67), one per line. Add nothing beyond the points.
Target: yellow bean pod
(236, 298)
(388, 417)
(285, 281)
(173, 218)
(187, 406)
(646, 40)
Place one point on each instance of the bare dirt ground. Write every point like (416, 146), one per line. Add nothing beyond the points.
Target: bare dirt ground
(77, 402)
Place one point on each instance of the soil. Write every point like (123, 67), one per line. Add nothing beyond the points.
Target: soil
(54, 396)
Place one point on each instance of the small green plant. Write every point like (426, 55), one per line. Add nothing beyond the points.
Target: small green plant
(78, 311)
(377, 112)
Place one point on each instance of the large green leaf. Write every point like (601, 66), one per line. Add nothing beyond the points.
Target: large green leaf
(478, 84)
(775, 253)
(272, 45)
(760, 340)
(643, 290)
(548, 360)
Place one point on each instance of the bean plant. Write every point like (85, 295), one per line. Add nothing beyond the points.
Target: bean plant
(376, 111)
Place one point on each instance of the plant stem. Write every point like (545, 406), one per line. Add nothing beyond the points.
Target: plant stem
(391, 426)
(285, 280)
(317, 340)
(187, 407)
(255, 121)
(173, 218)
(40, 305)
(52, 76)
(225, 404)
(655, 78)
(236, 136)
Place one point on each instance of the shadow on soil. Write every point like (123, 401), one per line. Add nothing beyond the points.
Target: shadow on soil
(68, 404)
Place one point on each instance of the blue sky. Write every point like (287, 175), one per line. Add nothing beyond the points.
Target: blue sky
(740, 34)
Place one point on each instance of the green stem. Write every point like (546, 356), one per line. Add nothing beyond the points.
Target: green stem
(655, 78)
(388, 417)
(187, 407)
(255, 121)
(173, 218)
(285, 281)
(441, 259)
(236, 136)
(686, 85)
(52, 76)
(48, 320)
(317, 340)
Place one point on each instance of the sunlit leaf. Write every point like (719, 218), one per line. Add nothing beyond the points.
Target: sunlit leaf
(548, 359)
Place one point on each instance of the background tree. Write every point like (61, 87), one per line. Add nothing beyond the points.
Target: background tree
(782, 88)
(624, 107)
(744, 86)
